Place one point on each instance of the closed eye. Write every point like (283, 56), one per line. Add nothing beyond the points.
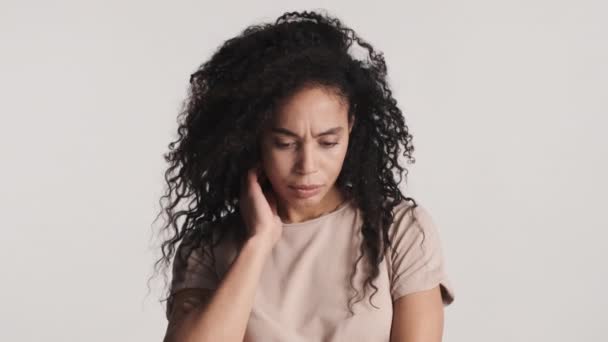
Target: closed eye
(288, 145)
(282, 145)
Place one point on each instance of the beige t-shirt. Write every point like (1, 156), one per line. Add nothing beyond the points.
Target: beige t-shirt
(304, 287)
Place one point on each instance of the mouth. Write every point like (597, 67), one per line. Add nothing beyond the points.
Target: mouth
(306, 191)
(306, 187)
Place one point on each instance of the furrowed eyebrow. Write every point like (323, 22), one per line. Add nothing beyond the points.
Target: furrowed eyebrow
(285, 131)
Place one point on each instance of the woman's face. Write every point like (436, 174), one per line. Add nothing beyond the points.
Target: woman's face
(305, 145)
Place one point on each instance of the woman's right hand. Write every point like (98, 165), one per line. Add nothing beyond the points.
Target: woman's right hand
(259, 209)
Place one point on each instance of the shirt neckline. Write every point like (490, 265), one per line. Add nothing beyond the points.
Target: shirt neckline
(325, 216)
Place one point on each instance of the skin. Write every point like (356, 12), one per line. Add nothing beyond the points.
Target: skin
(306, 143)
(293, 152)
(418, 317)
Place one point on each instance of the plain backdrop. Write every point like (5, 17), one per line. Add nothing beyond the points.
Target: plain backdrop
(507, 102)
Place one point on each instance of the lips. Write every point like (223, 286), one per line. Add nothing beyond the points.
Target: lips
(306, 191)
(306, 187)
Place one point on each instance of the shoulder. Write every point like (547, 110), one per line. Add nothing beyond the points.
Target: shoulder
(415, 253)
(201, 245)
(412, 217)
(212, 233)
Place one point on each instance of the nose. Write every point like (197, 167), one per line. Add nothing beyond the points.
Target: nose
(306, 163)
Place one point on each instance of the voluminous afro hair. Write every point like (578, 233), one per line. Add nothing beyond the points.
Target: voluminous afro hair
(234, 94)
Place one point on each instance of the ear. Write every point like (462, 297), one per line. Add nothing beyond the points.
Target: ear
(351, 124)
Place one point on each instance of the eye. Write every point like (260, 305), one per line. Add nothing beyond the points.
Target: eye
(329, 144)
(282, 145)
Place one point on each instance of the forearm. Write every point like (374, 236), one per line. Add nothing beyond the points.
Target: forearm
(225, 316)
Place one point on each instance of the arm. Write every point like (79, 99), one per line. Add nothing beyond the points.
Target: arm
(418, 317)
(222, 315)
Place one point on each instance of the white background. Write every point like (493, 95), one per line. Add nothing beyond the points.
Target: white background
(507, 102)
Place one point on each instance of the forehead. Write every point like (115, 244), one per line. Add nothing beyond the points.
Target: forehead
(314, 107)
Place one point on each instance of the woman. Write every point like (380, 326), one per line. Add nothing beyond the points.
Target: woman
(286, 156)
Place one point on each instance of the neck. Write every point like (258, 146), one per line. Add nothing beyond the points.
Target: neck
(332, 200)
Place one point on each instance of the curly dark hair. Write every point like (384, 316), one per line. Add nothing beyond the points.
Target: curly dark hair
(233, 95)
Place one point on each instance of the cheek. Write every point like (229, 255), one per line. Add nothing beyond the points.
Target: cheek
(277, 165)
(333, 160)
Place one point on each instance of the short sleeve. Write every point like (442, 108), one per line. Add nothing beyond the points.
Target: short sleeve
(417, 261)
(193, 267)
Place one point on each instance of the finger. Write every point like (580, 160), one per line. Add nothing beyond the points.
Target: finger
(272, 201)
(257, 169)
(245, 183)
(251, 176)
